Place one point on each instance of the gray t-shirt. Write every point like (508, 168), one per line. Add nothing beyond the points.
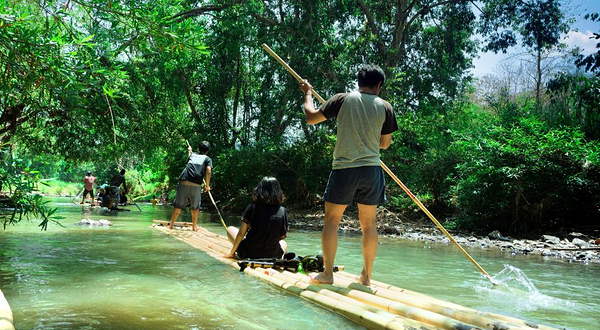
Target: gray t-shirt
(195, 168)
(362, 119)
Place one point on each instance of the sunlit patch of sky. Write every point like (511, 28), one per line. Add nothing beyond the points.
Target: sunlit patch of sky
(579, 36)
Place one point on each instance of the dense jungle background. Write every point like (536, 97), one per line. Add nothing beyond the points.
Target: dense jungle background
(101, 85)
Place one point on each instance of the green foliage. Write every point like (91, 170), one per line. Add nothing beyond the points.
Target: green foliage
(526, 176)
(575, 102)
(483, 170)
(96, 85)
(301, 169)
(421, 155)
(60, 188)
(19, 180)
(591, 62)
(538, 23)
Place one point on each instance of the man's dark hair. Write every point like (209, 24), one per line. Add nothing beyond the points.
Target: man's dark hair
(122, 172)
(204, 147)
(370, 75)
(268, 191)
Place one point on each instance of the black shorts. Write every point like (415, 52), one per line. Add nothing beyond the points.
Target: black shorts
(86, 192)
(365, 185)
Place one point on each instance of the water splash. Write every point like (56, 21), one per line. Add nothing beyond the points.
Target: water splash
(515, 280)
(513, 285)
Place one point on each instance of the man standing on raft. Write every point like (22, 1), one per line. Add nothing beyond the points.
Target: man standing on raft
(197, 170)
(365, 124)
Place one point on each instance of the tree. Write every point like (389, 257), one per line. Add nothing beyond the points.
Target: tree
(18, 179)
(539, 23)
(424, 47)
(591, 63)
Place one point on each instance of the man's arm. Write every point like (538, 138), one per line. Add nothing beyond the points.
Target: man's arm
(207, 175)
(189, 149)
(313, 116)
(385, 141)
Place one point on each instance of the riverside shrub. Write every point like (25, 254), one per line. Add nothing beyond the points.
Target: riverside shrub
(525, 177)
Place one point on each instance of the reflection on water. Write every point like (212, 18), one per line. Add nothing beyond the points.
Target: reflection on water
(131, 277)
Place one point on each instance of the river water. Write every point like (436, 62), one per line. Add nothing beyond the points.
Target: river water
(129, 276)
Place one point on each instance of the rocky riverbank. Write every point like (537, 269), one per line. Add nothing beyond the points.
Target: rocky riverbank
(571, 247)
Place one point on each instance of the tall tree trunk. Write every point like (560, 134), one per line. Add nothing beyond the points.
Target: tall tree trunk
(246, 120)
(538, 81)
(11, 118)
(238, 89)
(188, 95)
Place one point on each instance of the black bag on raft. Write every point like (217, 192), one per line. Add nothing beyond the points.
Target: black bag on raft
(289, 262)
(283, 264)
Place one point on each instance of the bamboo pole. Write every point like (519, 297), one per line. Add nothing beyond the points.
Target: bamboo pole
(73, 200)
(416, 299)
(414, 313)
(387, 170)
(437, 223)
(216, 207)
(166, 223)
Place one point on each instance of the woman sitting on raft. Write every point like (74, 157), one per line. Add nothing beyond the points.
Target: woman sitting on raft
(265, 222)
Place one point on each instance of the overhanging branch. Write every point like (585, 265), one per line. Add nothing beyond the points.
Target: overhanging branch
(203, 10)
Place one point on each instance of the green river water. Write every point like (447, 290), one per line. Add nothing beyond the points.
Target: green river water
(129, 276)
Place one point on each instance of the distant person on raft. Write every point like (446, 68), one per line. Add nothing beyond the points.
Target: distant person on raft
(365, 124)
(88, 187)
(189, 190)
(264, 224)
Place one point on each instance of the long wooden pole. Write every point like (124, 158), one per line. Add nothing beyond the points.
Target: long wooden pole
(391, 174)
(73, 200)
(216, 207)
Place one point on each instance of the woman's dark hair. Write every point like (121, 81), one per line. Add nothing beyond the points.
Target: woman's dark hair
(268, 191)
(203, 147)
(370, 75)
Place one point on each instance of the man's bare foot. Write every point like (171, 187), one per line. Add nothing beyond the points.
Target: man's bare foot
(196, 229)
(321, 278)
(363, 279)
(170, 227)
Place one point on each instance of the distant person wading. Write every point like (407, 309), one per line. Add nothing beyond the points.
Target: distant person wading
(88, 188)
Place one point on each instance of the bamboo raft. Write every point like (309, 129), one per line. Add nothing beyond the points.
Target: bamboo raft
(380, 306)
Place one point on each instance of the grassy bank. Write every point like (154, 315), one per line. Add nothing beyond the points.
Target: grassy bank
(57, 187)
